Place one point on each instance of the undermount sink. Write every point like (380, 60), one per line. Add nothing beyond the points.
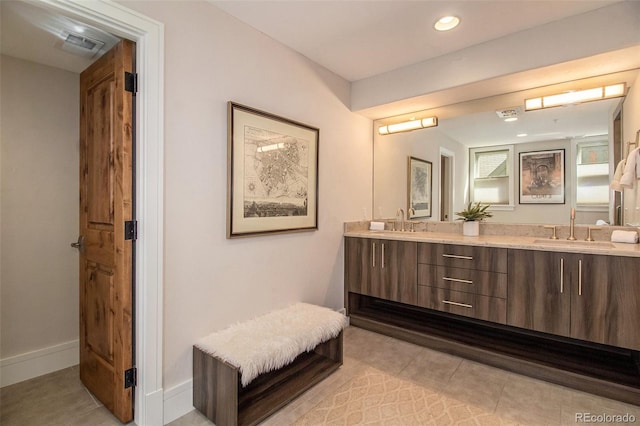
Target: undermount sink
(576, 243)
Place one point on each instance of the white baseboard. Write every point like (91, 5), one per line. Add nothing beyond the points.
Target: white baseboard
(178, 401)
(26, 366)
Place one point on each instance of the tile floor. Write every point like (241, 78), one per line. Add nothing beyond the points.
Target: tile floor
(456, 391)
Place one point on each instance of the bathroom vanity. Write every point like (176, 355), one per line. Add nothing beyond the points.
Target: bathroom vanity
(562, 311)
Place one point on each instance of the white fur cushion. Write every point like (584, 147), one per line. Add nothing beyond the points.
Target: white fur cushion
(273, 340)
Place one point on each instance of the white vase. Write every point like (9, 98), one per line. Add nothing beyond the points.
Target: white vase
(471, 228)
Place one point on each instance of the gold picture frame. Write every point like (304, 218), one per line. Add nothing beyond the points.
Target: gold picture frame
(272, 173)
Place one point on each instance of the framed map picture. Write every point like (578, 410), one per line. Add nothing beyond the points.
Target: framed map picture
(542, 177)
(272, 173)
(419, 188)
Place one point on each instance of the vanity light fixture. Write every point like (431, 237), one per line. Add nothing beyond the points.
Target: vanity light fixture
(446, 23)
(406, 126)
(574, 97)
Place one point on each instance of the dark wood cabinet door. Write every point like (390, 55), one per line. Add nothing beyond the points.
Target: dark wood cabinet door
(539, 296)
(382, 268)
(399, 271)
(605, 300)
(358, 265)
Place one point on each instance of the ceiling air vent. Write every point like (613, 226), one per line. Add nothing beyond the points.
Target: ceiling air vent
(80, 41)
(510, 112)
(81, 45)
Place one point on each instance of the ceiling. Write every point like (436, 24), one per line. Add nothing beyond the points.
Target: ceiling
(354, 39)
(573, 122)
(359, 39)
(37, 34)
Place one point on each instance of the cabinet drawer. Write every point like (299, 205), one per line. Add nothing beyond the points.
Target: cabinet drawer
(468, 257)
(466, 280)
(460, 303)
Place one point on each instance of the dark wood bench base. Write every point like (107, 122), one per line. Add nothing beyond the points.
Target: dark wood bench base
(218, 394)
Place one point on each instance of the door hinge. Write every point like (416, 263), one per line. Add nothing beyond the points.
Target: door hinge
(130, 378)
(131, 230)
(130, 82)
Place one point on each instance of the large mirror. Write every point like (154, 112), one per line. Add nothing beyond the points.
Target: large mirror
(590, 131)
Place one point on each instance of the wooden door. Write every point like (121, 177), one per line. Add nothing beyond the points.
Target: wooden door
(106, 200)
(539, 294)
(605, 301)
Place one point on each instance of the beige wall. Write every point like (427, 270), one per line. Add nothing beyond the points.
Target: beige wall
(39, 206)
(211, 282)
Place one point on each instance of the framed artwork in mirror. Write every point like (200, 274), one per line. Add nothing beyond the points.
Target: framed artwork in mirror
(272, 173)
(542, 177)
(419, 188)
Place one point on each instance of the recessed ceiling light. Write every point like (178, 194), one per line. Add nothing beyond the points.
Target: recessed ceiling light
(510, 119)
(521, 135)
(446, 23)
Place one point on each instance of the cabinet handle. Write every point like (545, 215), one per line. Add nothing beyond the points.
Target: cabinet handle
(373, 255)
(464, 305)
(580, 277)
(382, 255)
(455, 256)
(561, 275)
(458, 280)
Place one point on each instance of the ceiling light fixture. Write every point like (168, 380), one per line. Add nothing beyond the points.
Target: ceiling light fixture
(510, 119)
(446, 23)
(407, 126)
(575, 97)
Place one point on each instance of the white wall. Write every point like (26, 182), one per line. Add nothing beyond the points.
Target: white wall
(39, 207)
(211, 282)
(390, 169)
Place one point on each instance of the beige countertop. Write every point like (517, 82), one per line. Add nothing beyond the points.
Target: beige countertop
(506, 241)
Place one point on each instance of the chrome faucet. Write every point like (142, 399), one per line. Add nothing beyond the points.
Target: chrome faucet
(573, 225)
(401, 213)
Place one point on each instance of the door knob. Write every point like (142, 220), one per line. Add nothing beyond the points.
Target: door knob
(79, 244)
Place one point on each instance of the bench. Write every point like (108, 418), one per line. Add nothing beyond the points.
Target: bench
(243, 374)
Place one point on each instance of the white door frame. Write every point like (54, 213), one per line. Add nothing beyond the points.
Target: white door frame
(149, 37)
(444, 152)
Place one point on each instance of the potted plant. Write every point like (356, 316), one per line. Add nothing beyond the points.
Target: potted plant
(472, 216)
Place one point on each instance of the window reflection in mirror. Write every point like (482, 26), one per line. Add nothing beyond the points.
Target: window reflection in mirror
(592, 173)
(491, 174)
